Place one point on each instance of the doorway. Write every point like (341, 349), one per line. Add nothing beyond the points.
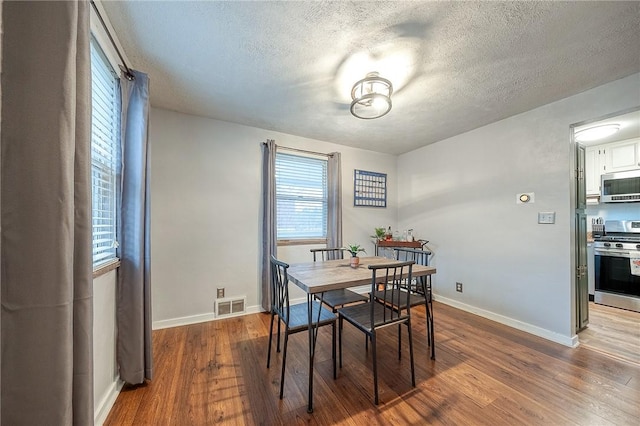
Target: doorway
(599, 326)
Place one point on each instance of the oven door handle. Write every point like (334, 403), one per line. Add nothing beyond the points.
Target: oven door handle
(612, 253)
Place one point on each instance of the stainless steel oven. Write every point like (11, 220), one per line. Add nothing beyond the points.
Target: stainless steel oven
(615, 285)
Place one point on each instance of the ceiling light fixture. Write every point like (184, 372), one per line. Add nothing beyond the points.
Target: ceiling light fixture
(596, 132)
(371, 97)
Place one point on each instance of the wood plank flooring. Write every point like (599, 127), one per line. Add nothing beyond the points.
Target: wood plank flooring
(613, 331)
(484, 374)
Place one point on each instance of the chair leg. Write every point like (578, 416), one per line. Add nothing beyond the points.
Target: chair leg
(375, 367)
(413, 373)
(270, 337)
(333, 349)
(433, 339)
(428, 315)
(430, 332)
(278, 342)
(399, 341)
(340, 338)
(284, 361)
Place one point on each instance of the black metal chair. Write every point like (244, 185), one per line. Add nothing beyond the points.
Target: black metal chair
(419, 289)
(294, 317)
(372, 316)
(336, 298)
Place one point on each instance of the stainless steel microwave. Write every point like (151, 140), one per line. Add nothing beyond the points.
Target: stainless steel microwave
(620, 187)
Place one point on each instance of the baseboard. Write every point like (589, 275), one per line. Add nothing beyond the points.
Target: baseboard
(519, 325)
(195, 319)
(105, 405)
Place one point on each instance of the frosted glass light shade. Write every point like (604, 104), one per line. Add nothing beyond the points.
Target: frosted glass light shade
(371, 97)
(596, 132)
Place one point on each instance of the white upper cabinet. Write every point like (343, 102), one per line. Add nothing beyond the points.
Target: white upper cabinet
(609, 158)
(594, 167)
(623, 156)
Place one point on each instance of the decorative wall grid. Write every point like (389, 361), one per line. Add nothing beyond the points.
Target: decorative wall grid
(369, 189)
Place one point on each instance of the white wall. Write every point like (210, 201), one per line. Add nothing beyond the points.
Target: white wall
(105, 367)
(460, 194)
(205, 211)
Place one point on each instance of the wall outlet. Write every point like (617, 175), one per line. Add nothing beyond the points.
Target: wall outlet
(459, 287)
(220, 293)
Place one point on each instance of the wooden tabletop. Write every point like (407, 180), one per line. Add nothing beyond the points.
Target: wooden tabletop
(316, 277)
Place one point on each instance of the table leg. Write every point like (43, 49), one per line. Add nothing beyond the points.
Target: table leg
(313, 338)
(312, 347)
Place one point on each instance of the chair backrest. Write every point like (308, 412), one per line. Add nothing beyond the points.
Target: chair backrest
(420, 257)
(327, 254)
(392, 276)
(279, 288)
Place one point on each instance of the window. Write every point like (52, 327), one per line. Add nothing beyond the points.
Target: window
(301, 197)
(105, 140)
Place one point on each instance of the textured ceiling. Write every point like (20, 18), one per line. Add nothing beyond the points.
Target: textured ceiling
(455, 66)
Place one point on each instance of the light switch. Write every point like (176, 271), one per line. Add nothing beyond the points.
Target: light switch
(546, 217)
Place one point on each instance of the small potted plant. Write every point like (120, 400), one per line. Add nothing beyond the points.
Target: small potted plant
(380, 234)
(354, 249)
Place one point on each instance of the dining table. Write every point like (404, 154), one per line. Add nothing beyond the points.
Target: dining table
(315, 278)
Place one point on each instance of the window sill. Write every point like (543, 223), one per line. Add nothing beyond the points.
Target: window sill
(301, 242)
(108, 266)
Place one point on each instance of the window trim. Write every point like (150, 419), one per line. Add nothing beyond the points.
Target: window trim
(105, 267)
(101, 36)
(302, 242)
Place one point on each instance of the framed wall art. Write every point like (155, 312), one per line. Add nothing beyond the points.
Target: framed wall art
(369, 189)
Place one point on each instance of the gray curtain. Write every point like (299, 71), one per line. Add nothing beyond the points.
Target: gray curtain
(47, 348)
(133, 305)
(334, 207)
(269, 228)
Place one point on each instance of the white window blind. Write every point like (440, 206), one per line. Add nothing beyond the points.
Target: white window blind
(301, 197)
(105, 140)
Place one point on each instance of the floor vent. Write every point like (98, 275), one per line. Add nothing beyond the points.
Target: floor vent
(230, 306)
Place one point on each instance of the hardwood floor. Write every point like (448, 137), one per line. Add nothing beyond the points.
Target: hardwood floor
(613, 331)
(484, 374)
